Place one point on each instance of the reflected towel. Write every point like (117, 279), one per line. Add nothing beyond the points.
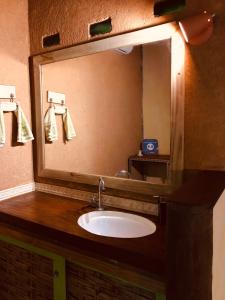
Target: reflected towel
(2, 127)
(24, 133)
(68, 125)
(50, 126)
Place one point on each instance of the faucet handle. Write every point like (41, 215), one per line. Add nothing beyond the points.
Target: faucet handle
(93, 200)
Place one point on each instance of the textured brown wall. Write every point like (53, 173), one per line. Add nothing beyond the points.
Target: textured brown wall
(205, 76)
(205, 98)
(104, 95)
(72, 18)
(15, 161)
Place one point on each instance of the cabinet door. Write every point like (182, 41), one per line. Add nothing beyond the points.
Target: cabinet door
(24, 275)
(30, 273)
(85, 284)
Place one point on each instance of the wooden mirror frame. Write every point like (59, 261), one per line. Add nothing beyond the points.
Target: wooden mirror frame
(123, 187)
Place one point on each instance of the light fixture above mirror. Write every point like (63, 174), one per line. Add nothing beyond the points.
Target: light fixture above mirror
(197, 29)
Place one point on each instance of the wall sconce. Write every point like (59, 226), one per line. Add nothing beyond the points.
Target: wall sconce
(197, 29)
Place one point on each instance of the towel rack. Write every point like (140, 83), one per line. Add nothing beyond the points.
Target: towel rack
(56, 98)
(7, 92)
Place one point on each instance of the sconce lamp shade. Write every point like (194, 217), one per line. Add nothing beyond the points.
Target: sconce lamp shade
(197, 29)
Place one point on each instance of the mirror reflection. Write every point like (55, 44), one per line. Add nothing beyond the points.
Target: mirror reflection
(116, 99)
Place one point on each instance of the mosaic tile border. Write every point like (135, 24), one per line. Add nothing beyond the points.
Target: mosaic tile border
(117, 202)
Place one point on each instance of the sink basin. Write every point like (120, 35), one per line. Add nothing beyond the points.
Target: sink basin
(116, 224)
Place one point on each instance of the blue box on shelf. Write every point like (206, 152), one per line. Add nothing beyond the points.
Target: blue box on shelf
(150, 146)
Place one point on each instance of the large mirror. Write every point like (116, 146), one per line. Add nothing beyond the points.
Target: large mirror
(124, 99)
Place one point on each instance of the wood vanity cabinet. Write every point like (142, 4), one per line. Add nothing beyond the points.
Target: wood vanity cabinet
(31, 273)
(24, 275)
(86, 284)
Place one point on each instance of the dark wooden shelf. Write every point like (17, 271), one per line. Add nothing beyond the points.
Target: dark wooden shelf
(155, 165)
(151, 158)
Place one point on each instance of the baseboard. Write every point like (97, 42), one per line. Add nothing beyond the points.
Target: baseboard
(17, 190)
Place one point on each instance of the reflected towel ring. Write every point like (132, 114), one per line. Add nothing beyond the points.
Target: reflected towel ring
(51, 103)
(11, 97)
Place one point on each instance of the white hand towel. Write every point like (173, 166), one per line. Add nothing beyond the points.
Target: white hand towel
(50, 126)
(2, 127)
(24, 133)
(68, 125)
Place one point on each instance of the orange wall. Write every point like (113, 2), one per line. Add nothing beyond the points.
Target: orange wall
(157, 93)
(15, 161)
(104, 95)
(205, 76)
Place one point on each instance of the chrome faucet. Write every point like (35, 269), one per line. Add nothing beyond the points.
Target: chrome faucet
(101, 188)
(96, 201)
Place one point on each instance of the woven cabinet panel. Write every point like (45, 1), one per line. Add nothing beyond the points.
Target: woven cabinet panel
(24, 275)
(85, 284)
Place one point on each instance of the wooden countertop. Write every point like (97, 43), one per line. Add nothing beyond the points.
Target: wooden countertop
(54, 219)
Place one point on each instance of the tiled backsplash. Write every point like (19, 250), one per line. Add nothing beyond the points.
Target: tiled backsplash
(123, 203)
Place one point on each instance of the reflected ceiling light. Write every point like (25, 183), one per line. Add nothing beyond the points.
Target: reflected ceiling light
(197, 29)
(125, 50)
(177, 53)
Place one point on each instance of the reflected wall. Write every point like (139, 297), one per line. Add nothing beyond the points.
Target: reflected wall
(115, 101)
(104, 94)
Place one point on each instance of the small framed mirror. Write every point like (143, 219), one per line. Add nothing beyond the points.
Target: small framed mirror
(125, 98)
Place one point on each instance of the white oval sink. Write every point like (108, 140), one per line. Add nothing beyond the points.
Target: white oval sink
(116, 224)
